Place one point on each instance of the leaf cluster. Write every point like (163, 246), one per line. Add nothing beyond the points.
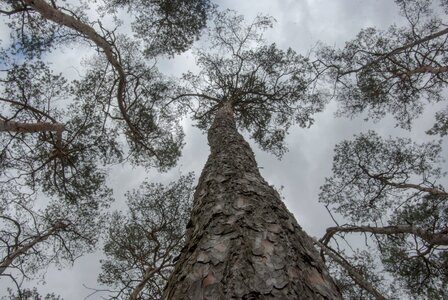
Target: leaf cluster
(167, 27)
(390, 191)
(140, 245)
(54, 180)
(394, 71)
(269, 89)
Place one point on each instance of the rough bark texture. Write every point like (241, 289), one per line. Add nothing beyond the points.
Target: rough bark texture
(242, 243)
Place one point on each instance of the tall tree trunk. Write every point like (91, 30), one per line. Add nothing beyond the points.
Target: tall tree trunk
(242, 243)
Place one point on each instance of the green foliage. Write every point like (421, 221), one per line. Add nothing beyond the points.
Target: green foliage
(366, 169)
(389, 190)
(150, 124)
(166, 26)
(146, 238)
(419, 266)
(441, 126)
(31, 93)
(269, 88)
(38, 231)
(31, 35)
(27, 85)
(395, 71)
(54, 182)
(29, 294)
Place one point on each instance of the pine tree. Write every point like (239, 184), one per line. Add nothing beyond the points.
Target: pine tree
(242, 242)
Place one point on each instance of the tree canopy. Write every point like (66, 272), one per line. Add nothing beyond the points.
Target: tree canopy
(141, 245)
(269, 89)
(390, 190)
(394, 71)
(60, 135)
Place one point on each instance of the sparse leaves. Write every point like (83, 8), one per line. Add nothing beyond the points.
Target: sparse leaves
(371, 175)
(390, 191)
(269, 88)
(393, 72)
(54, 179)
(30, 294)
(141, 244)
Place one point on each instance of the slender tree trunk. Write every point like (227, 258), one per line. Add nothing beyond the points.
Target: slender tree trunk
(242, 243)
(22, 249)
(149, 273)
(351, 271)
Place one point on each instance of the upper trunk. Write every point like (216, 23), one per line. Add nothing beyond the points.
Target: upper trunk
(242, 243)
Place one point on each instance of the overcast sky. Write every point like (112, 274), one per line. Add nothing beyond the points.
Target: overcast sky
(300, 25)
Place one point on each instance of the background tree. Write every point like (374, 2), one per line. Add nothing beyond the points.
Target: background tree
(59, 135)
(390, 191)
(241, 240)
(394, 71)
(54, 194)
(140, 246)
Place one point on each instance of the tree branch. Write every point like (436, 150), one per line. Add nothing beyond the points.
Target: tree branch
(53, 14)
(208, 97)
(399, 49)
(426, 69)
(30, 108)
(432, 191)
(437, 238)
(15, 11)
(352, 272)
(148, 274)
(12, 126)
(23, 249)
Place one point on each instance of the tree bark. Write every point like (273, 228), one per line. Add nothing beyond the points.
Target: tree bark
(433, 238)
(13, 126)
(242, 242)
